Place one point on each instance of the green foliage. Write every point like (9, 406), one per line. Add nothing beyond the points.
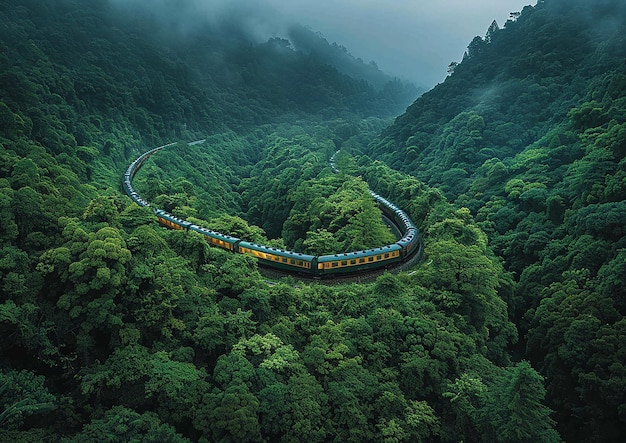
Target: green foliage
(287, 401)
(528, 133)
(138, 378)
(600, 220)
(22, 394)
(237, 227)
(151, 335)
(123, 424)
(524, 418)
(347, 220)
(478, 406)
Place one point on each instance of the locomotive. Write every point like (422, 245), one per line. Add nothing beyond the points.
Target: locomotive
(310, 265)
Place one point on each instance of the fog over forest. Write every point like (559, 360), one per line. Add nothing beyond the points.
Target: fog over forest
(412, 40)
(196, 196)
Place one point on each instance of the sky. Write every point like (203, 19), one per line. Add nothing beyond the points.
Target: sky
(414, 40)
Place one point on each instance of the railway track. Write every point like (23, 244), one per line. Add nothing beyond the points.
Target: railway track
(357, 266)
(364, 277)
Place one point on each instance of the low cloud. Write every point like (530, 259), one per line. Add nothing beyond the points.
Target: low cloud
(414, 40)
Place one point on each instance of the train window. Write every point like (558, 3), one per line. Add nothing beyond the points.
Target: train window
(284, 260)
(344, 263)
(370, 259)
(335, 264)
(353, 262)
(299, 263)
(361, 260)
(386, 255)
(379, 257)
(292, 261)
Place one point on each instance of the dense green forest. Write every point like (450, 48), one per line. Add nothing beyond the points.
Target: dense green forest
(529, 133)
(115, 329)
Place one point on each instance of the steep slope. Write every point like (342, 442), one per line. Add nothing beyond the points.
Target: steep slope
(166, 84)
(114, 329)
(508, 91)
(528, 132)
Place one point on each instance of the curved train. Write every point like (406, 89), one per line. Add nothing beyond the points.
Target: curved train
(303, 264)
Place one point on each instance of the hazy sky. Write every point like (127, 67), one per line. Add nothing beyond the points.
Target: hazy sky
(412, 39)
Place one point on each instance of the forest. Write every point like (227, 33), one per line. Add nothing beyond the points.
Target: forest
(114, 329)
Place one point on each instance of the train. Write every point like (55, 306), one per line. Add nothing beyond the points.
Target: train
(316, 266)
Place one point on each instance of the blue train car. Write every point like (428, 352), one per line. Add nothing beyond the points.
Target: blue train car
(214, 238)
(318, 266)
(360, 260)
(278, 258)
(171, 221)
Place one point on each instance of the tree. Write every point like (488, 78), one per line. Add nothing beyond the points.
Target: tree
(231, 414)
(574, 333)
(491, 31)
(422, 421)
(452, 67)
(514, 409)
(475, 47)
(319, 242)
(176, 386)
(467, 396)
(123, 424)
(22, 394)
(102, 209)
(28, 208)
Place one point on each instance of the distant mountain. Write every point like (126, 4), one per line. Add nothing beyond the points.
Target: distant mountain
(129, 66)
(116, 329)
(521, 80)
(309, 42)
(529, 132)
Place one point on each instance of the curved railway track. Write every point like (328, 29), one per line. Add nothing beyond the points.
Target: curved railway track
(351, 266)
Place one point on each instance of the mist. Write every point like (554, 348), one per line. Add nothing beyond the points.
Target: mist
(410, 39)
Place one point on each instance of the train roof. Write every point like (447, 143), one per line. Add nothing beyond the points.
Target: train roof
(214, 234)
(171, 217)
(358, 254)
(276, 251)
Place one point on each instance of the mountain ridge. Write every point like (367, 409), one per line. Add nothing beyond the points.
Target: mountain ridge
(528, 132)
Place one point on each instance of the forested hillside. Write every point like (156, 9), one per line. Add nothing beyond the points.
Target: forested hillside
(116, 329)
(529, 133)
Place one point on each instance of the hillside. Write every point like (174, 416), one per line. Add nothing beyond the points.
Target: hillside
(116, 329)
(101, 60)
(529, 133)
